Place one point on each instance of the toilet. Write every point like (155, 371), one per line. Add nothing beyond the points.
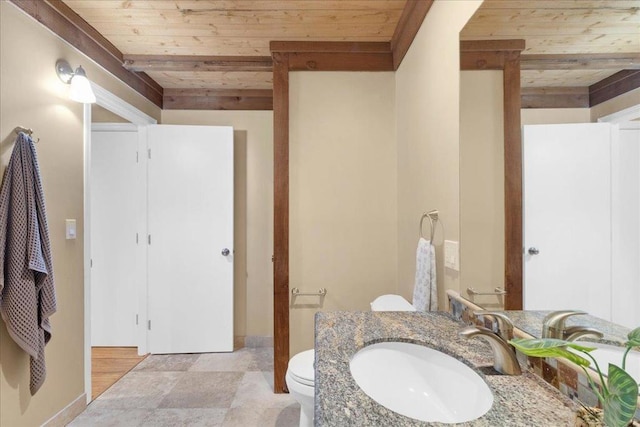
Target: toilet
(391, 302)
(300, 375)
(300, 382)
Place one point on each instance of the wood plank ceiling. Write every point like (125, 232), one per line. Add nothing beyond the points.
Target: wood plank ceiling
(570, 44)
(188, 46)
(175, 30)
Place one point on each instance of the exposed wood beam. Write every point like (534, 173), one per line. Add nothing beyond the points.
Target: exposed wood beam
(492, 45)
(61, 20)
(512, 185)
(226, 99)
(615, 85)
(594, 61)
(330, 47)
(482, 60)
(336, 56)
(250, 93)
(340, 61)
(197, 63)
(408, 25)
(280, 219)
(555, 97)
(489, 54)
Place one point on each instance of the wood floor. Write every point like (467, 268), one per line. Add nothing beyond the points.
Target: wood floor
(109, 364)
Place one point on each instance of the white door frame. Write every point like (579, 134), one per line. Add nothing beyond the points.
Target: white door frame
(120, 107)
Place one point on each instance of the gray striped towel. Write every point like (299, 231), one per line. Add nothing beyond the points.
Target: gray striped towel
(27, 293)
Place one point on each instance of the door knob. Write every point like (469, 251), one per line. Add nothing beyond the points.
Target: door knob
(533, 251)
(225, 252)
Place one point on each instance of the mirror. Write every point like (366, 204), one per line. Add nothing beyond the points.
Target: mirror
(482, 216)
(531, 323)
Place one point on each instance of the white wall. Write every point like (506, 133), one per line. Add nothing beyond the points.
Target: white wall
(342, 193)
(427, 133)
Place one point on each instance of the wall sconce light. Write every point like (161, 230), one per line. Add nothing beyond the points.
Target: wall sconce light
(80, 90)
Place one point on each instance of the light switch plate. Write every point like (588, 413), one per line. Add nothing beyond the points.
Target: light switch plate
(451, 255)
(70, 228)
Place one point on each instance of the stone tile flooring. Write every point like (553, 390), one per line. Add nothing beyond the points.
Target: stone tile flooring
(214, 389)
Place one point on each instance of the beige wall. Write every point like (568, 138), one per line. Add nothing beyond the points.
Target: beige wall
(32, 96)
(552, 116)
(102, 115)
(428, 111)
(481, 184)
(342, 193)
(253, 217)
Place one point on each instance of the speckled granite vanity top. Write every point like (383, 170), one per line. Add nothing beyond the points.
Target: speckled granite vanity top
(523, 400)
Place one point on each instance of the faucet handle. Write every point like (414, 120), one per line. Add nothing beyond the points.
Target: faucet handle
(553, 323)
(505, 325)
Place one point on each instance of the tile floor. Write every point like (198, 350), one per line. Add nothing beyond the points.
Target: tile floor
(215, 389)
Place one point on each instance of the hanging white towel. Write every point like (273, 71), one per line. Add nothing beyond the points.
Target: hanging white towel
(425, 290)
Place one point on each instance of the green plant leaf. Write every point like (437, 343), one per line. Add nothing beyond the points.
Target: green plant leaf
(551, 347)
(619, 405)
(634, 338)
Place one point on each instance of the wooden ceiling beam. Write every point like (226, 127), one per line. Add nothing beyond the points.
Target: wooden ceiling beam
(407, 27)
(594, 61)
(615, 85)
(197, 63)
(340, 61)
(489, 54)
(251, 93)
(221, 99)
(61, 20)
(218, 103)
(335, 56)
(555, 97)
(492, 45)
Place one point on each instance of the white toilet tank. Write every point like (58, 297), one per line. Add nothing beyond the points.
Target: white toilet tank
(391, 302)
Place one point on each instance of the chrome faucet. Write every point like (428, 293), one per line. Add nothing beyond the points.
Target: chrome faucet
(553, 326)
(504, 355)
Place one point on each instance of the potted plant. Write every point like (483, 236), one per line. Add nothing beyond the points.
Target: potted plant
(619, 394)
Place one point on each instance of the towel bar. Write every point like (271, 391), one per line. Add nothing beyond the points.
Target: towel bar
(296, 292)
(496, 291)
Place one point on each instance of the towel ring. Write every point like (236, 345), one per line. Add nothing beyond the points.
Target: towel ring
(433, 219)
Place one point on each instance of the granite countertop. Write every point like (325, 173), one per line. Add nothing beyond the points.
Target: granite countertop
(523, 400)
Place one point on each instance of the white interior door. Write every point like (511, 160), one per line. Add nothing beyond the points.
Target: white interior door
(190, 224)
(567, 218)
(626, 226)
(113, 238)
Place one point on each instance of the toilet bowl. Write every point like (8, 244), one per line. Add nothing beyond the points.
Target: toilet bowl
(300, 382)
(391, 302)
(300, 375)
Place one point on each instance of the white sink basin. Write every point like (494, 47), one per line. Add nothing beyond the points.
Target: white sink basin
(420, 382)
(605, 354)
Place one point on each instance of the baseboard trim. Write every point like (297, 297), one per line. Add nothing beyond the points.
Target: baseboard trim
(68, 413)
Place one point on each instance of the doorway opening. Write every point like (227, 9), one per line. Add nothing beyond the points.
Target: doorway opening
(109, 104)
